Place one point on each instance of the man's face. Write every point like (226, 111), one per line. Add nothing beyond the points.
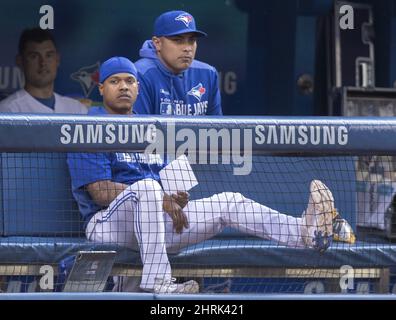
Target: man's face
(39, 63)
(119, 93)
(176, 52)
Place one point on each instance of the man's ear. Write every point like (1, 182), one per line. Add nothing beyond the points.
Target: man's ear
(157, 43)
(100, 87)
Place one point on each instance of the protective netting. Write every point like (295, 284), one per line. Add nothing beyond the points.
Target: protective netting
(247, 235)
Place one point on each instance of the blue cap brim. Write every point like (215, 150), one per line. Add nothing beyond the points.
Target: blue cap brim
(197, 32)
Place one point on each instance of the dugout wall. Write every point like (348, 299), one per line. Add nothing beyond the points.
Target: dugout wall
(41, 223)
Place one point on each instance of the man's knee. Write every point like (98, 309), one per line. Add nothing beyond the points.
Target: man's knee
(148, 185)
(239, 197)
(232, 197)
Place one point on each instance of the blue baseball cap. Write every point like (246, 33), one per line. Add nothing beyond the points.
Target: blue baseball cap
(116, 65)
(172, 23)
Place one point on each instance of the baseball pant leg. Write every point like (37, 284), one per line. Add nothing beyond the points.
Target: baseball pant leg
(207, 217)
(135, 219)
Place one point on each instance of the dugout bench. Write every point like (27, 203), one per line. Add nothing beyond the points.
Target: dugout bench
(40, 225)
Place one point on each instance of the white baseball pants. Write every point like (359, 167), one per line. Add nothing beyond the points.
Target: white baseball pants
(135, 219)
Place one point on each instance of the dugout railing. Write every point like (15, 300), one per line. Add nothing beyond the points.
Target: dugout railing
(40, 222)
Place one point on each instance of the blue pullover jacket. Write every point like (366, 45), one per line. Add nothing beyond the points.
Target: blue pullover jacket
(194, 91)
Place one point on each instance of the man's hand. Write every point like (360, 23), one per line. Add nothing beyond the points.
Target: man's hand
(172, 206)
(181, 198)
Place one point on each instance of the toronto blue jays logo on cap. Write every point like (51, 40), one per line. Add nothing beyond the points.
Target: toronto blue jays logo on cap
(173, 23)
(198, 91)
(185, 18)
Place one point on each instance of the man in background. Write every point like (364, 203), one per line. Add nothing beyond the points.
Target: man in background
(39, 59)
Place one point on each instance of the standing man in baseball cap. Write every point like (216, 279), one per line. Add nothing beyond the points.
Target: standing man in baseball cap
(171, 80)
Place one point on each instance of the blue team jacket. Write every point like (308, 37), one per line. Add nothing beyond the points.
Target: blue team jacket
(194, 92)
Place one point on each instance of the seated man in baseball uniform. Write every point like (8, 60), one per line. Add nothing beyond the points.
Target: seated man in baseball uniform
(122, 201)
(39, 59)
(172, 82)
